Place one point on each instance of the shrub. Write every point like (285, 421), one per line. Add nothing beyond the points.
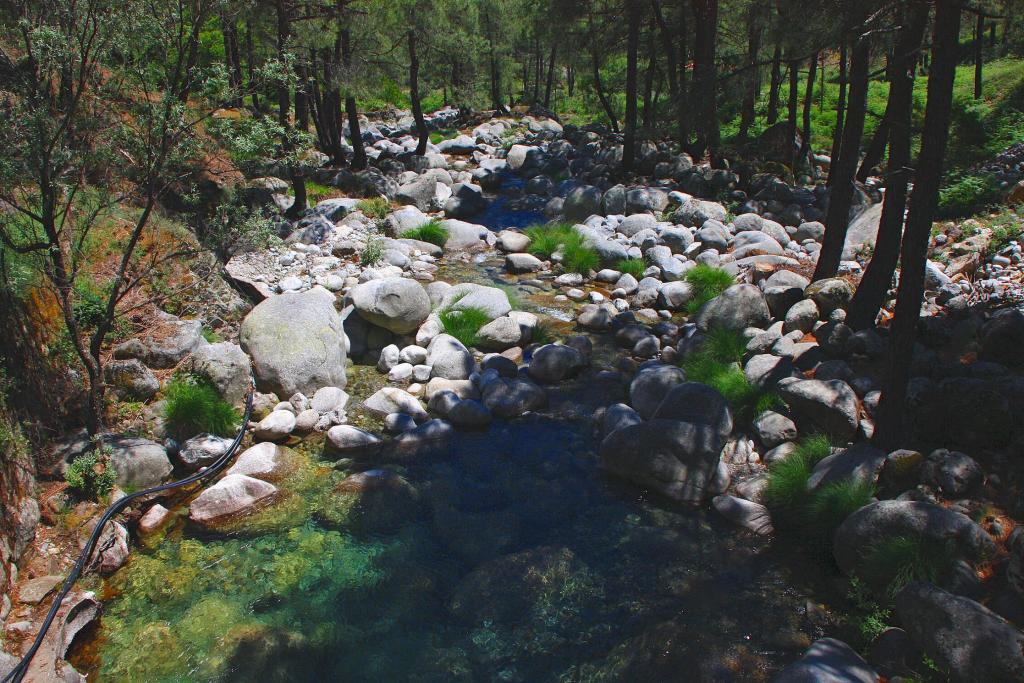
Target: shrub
(376, 208)
(464, 323)
(633, 266)
(193, 406)
(707, 283)
(91, 475)
(432, 231)
(372, 253)
(968, 194)
(909, 558)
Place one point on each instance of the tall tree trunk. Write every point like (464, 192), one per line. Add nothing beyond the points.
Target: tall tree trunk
(495, 70)
(652, 64)
(705, 13)
(632, 48)
(923, 204)
(352, 111)
(672, 66)
(298, 174)
(841, 197)
(772, 115)
(753, 81)
(250, 64)
(551, 76)
(870, 294)
(414, 96)
(876, 147)
(979, 54)
(232, 58)
(283, 96)
(539, 64)
(595, 65)
(805, 144)
(793, 102)
(837, 136)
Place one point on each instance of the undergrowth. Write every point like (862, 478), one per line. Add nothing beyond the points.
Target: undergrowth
(546, 240)
(905, 559)
(91, 475)
(372, 253)
(464, 323)
(376, 208)
(707, 283)
(432, 231)
(194, 407)
(717, 364)
(633, 266)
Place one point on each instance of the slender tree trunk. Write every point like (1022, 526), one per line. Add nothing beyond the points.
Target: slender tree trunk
(250, 63)
(841, 196)
(705, 13)
(283, 96)
(685, 112)
(495, 70)
(414, 96)
(551, 76)
(772, 115)
(876, 148)
(595, 65)
(298, 175)
(979, 54)
(753, 82)
(672, 66)
(870, 294)
(837, 136)
(632, 48)
(355, 135)
(539, 68)
(232, 58)
(923, 204)
(793, 102)
(805, 145)
(652, 64)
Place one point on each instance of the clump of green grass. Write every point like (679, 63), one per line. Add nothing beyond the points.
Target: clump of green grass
(579, 258)
(376, 208)
(543, 334)
(725, 345)
(372, 253)
(90, 475)
(212, 336)
(432, 231)
(193, 407)
(445, 134)
(464, 323)
(717, 365)
(900, 560)
(633, 266)
(786, 493)
(833, 503)
(514, 299)
(707, 283)
(967, 194)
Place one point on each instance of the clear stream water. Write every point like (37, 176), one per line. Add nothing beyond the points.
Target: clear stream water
(504, 555)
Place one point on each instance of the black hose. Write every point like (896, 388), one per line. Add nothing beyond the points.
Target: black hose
(18, 673)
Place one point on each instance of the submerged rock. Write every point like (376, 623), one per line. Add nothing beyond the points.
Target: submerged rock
(232, 496)
(371, 502)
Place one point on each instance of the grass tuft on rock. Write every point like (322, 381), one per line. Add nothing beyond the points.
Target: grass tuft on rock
(707, 283)
(543, 334)
(633, 266)
(577, 257)
(725, 345)
(432, 231)
(376, 208)
(717, 364)
(464, 323)
(905, 559)
(193, 407)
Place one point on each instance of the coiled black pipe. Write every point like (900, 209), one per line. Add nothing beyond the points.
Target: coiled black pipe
(18, 673)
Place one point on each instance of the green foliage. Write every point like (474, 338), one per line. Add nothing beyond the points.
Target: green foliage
(580, 258)
(633, 266)
(514, 298)
(543, 334)
(909, 558)
(211, 336)
(745, 400)
(89, 305)
(442, 135)
(833, 503)
(707, 282)
(868, 617)
(193, 407)
(432, 231)
(967, 194)
(464, 323)
(372, 253)
(91, 475)
(546, 240)
(376, 208)
(725, 345)
(786, 493)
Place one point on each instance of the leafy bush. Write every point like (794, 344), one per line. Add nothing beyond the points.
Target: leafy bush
(91, 475)
(376, 208)
(464, 323)
(372, 253)
(707, 283)
(432, 231)
(968, 194)
(633, 266)
(193, 406)
(909, 558)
